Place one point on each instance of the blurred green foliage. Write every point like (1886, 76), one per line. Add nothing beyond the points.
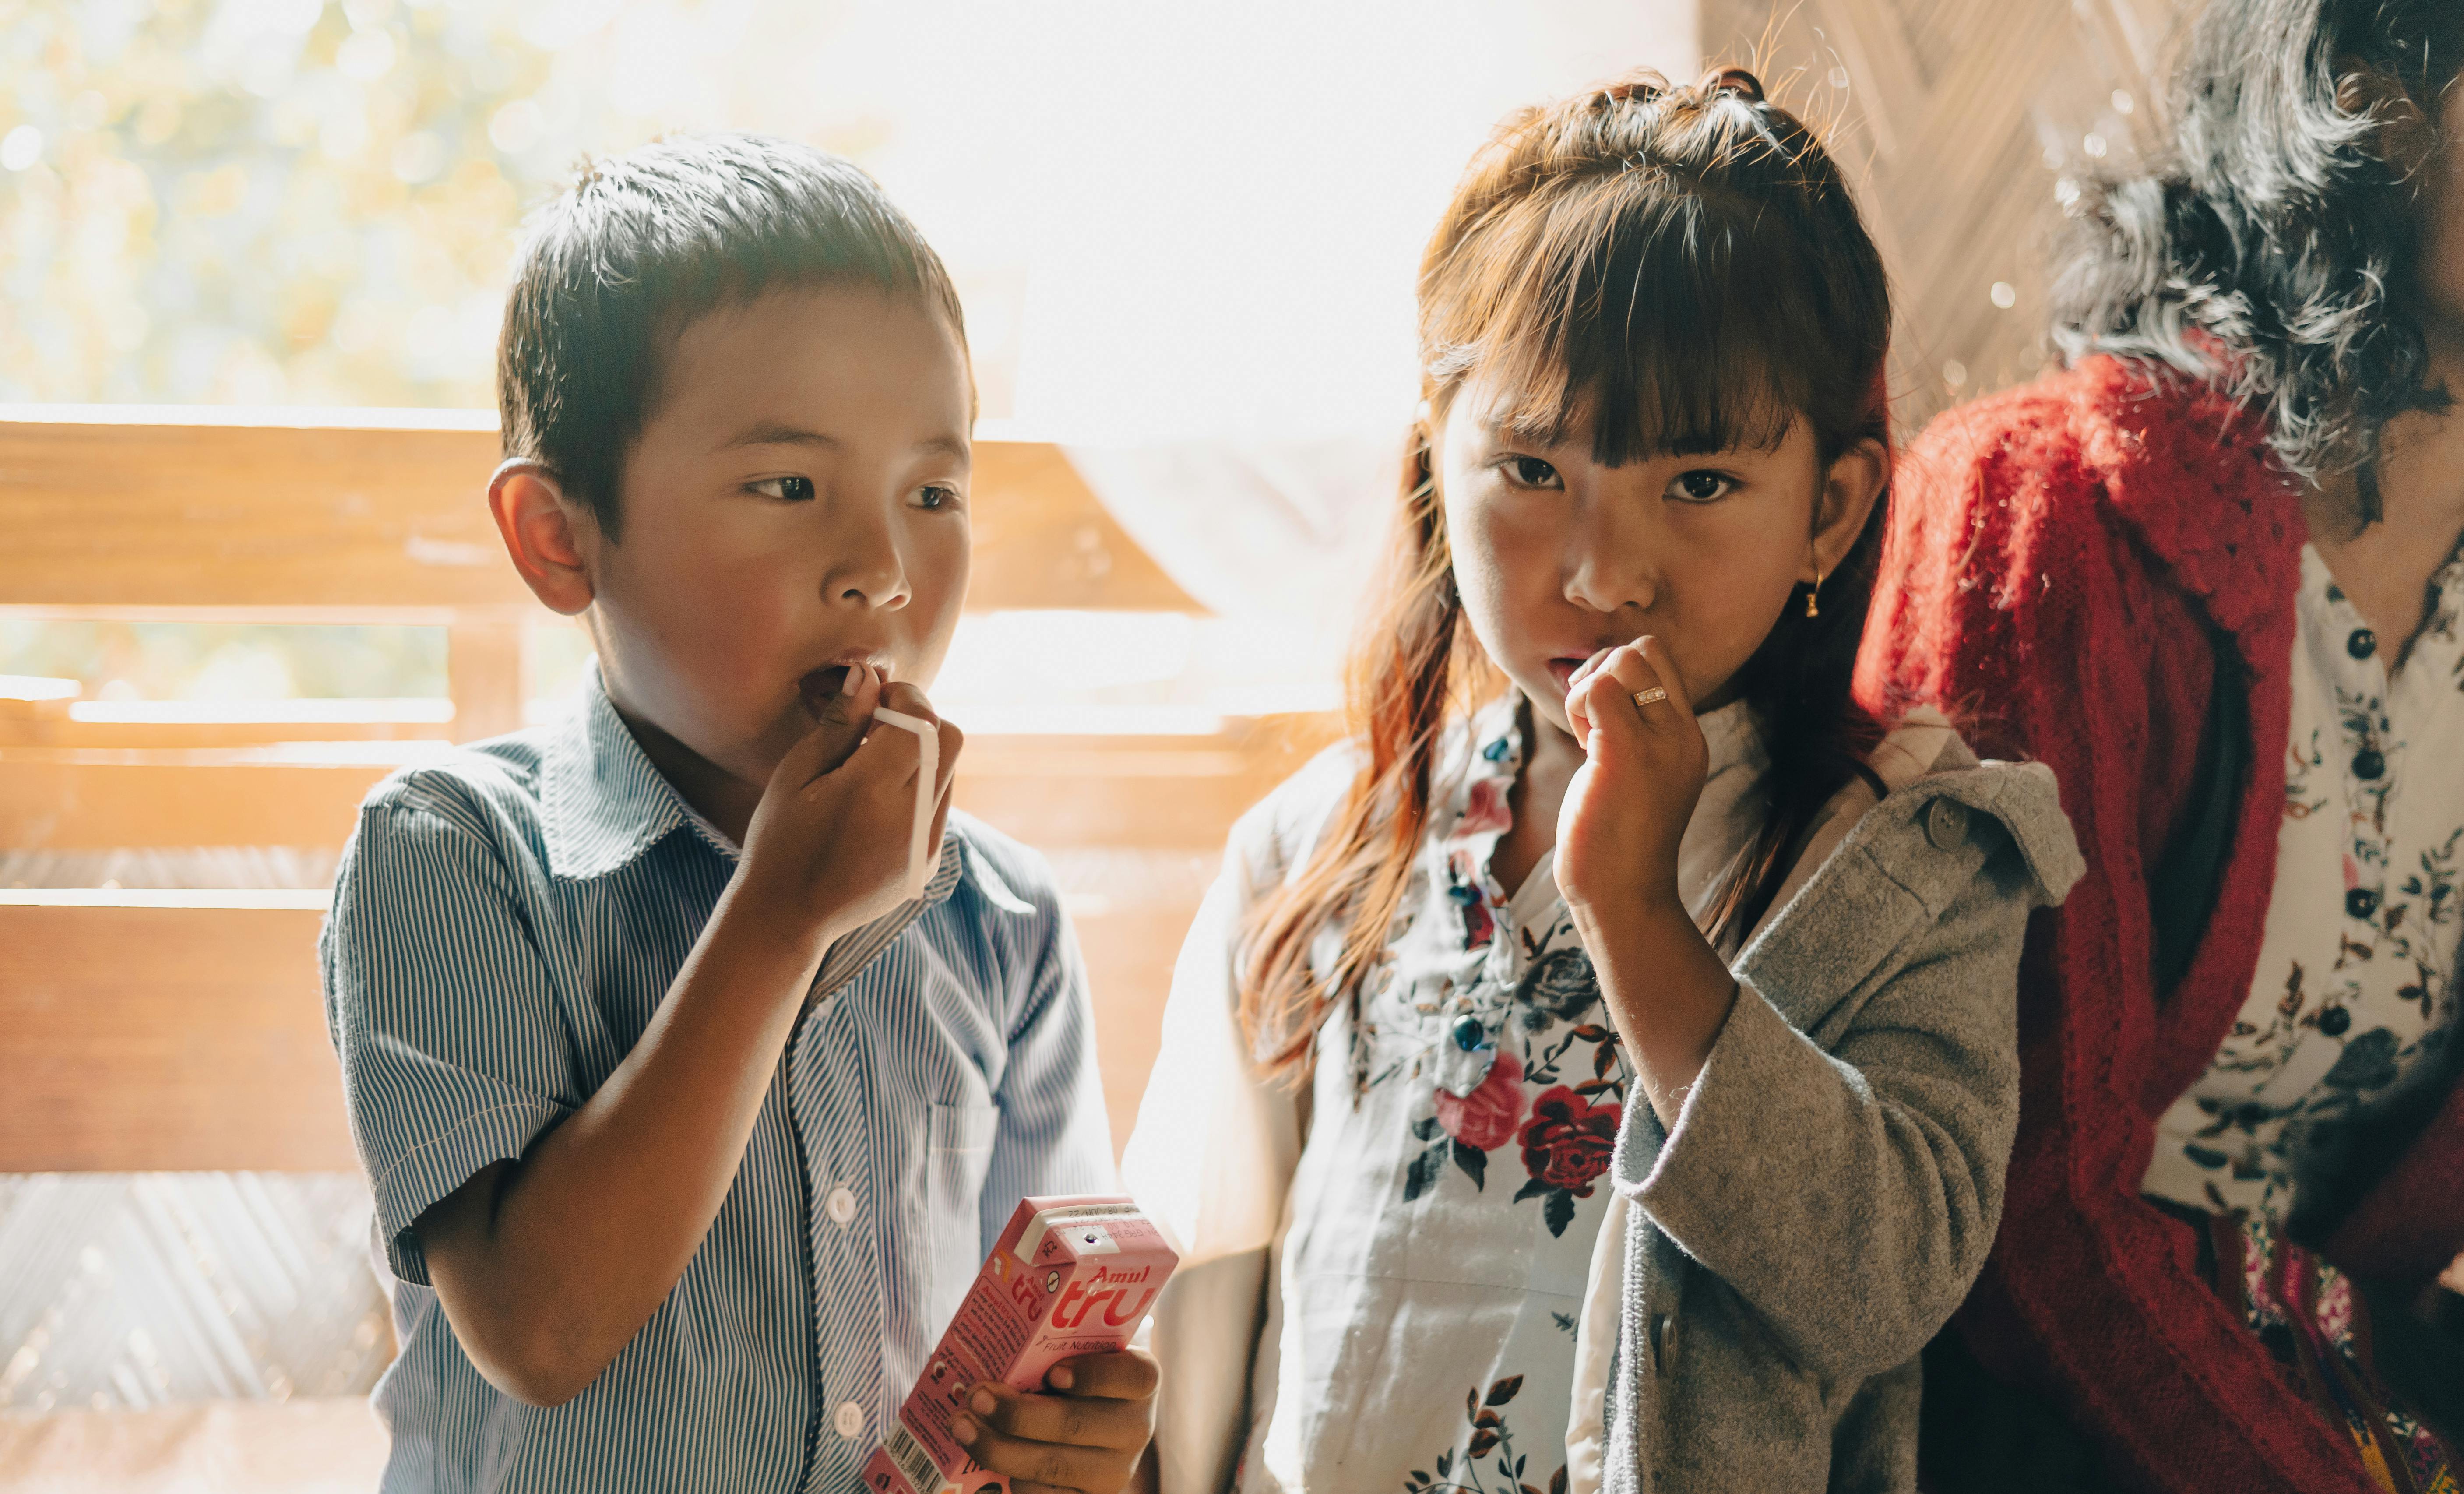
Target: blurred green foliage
(260, 200)
(317, 202)
(167, 661)
(295, 201)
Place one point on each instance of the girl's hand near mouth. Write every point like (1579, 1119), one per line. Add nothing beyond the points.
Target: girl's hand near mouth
(1628, 805)
(1625, 812)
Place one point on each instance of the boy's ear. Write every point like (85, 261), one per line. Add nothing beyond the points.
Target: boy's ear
(1850, 490)
(549, 536)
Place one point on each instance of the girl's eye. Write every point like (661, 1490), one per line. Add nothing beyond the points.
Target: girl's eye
(1701, 486)
(939, 496)
(1530, 471)
(792, 490)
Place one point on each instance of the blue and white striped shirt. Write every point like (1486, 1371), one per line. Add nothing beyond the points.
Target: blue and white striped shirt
(504, 923)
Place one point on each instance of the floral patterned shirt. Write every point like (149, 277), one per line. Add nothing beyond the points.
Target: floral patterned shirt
(2355, 993)
(1443, 1214)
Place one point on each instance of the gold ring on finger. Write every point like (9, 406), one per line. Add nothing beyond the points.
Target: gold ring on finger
(1650, 697)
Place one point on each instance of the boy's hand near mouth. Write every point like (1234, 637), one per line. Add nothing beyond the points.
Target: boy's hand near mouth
(828, 847)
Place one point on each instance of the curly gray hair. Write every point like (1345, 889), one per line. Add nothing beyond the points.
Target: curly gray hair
(2272, 249)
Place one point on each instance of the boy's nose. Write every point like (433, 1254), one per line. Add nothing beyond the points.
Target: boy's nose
(864, 570)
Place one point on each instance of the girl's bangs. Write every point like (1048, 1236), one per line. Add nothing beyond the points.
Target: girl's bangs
(1646, 316)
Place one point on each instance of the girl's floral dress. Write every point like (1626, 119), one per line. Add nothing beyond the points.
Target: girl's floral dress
(1421, 1320)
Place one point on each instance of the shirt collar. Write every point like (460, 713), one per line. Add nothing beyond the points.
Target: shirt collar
(604, 803)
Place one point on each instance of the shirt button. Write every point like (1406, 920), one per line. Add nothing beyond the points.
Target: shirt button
(2334, 1021)
(842, 1207)
(2362, 644)
(849, 1419)
(2361, 902)
(2368, 764)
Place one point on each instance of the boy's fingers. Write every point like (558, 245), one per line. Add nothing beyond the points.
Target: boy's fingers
(887, 755)
(940, 822)
(1123, 1374)
(906, 700)
(839, 729)
(1057, 1463)
(953, 742)
(1065, 1419)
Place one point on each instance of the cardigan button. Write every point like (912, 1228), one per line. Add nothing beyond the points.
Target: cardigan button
(1946, 823)
(1471, 1032)
(2334, 1021)
(2362, 644)
(2368, 764)
(1664, 1341)
(2361, 902)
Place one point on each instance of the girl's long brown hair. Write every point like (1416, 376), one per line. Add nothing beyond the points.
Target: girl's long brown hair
(1680, 270)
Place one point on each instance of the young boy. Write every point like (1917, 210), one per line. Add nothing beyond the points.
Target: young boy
(688, 1125)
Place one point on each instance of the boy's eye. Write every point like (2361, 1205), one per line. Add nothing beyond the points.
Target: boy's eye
(1701, 486)
(1530, 471)
(793, 489)
(939, 496)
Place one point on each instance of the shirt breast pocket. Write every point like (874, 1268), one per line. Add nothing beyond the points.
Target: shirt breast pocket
(960, 1156)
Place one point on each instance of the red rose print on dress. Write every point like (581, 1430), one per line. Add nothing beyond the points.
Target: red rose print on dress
(1568, 1140)
(1466, 1126)
(1485, 1117)
(1566, 1147)
(1485, 811)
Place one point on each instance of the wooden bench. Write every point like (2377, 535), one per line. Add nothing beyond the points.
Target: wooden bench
(183, 1030)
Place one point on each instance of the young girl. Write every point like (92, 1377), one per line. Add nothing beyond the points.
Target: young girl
(1603, 1068)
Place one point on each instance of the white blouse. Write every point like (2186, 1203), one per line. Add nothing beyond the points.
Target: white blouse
(2356, 996)
(1424, 1296)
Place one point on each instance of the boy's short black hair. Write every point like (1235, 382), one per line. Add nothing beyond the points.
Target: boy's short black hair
(646, 242)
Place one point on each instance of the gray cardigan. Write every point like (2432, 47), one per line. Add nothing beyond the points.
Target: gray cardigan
(1834, 1177)
(1759, 1334)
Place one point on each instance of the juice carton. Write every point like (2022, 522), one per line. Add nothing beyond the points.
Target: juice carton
(1070, 1276)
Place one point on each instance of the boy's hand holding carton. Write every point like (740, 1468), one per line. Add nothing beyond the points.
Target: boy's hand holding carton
(1064, 1289)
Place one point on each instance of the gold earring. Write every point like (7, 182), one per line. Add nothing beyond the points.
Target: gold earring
(1814, 596)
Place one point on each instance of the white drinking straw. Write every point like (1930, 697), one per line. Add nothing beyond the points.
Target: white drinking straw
(928, 772)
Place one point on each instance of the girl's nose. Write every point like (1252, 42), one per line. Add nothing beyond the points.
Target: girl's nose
(1609, 561)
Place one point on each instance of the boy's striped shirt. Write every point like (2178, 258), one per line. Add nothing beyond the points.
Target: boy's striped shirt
(504, 925)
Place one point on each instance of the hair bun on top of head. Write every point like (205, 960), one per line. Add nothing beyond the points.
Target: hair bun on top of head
(1646, 86)
(1732, 81)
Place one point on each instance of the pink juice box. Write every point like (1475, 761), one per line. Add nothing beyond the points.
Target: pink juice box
(1070, 1276)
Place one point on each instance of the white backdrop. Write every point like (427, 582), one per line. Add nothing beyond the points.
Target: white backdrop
(1218, 307)
(1233, 199)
